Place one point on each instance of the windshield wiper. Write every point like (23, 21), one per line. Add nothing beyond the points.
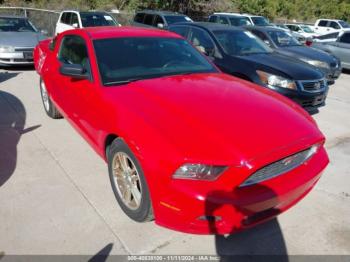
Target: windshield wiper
(123, 82)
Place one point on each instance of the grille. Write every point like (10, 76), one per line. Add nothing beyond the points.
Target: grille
(24, 49)
(313, 86)
(280, 167)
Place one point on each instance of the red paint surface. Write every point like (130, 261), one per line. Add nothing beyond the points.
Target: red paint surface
(200, 118)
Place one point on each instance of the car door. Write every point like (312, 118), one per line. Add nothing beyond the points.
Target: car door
(205, 43)
(322, 27)
(333, 26)
(223, 20)
(341, 49)
(79, 95)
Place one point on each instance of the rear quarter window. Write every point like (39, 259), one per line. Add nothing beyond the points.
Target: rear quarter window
(213, 19)
(322, 23)
(63, 18)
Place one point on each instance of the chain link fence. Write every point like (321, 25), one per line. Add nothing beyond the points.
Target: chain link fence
(46, 19)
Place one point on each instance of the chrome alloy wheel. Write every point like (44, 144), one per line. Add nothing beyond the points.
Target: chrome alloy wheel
(127, 180)
(45, 96)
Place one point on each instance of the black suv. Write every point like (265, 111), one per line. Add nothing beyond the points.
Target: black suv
(160, 19)
(238, 52)
(284, 43)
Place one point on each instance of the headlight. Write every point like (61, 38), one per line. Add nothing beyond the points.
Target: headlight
(276, 81)
(6, 49)
(317, 63)
(199, 172)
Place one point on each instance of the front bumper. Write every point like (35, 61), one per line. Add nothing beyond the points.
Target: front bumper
(222, 207)
(17, 58)
(305, 98)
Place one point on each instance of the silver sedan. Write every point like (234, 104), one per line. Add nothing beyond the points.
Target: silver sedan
(18, 37)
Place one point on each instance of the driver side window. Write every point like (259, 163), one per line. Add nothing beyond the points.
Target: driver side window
(73, 51)
(202, 41)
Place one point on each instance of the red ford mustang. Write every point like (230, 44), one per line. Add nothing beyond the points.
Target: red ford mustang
(195, 149)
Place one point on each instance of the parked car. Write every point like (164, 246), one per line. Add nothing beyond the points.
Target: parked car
(340, 48)
(18, 37)
(159, 19)
(230, 19)
(76, 19)
(238, 52)
(301, 38)
(325, 26)
(213, 155)
(331, 37)
(304, 30)
(237, 19)
(286, 44)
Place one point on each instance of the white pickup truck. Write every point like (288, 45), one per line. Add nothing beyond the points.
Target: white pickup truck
(325, 26)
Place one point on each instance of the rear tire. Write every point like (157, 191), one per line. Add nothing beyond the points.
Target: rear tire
(128, 182)
(49, 107)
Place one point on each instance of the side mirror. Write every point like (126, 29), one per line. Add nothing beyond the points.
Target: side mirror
(74, 71)
(75, 25)
(160, 25)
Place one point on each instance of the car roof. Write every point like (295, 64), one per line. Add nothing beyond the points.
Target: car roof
(266, 28)
(158, 12)
(84, 12)
(332, 20)
(236, 14)
(211, 26)
(104, 32)
(13, 16)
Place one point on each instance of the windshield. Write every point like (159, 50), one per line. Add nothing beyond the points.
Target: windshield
(344, 24)
(129, 59)
(240, 21)
(96, 19)
(307, 29)
(260, 21)
(238, 43)
(283, 39)
(15, 25)
(282, 26)
(173, 19)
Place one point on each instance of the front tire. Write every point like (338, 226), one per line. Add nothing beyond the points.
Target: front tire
(128, 182)
(49, 107)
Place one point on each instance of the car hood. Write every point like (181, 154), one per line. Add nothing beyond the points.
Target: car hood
(216, 118)
(288, 66)
(20, 39)
(308, 53)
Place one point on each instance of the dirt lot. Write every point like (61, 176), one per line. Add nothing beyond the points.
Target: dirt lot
(55, 196)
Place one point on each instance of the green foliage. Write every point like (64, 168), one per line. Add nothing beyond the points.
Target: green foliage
(306, 10)
(302, 10)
